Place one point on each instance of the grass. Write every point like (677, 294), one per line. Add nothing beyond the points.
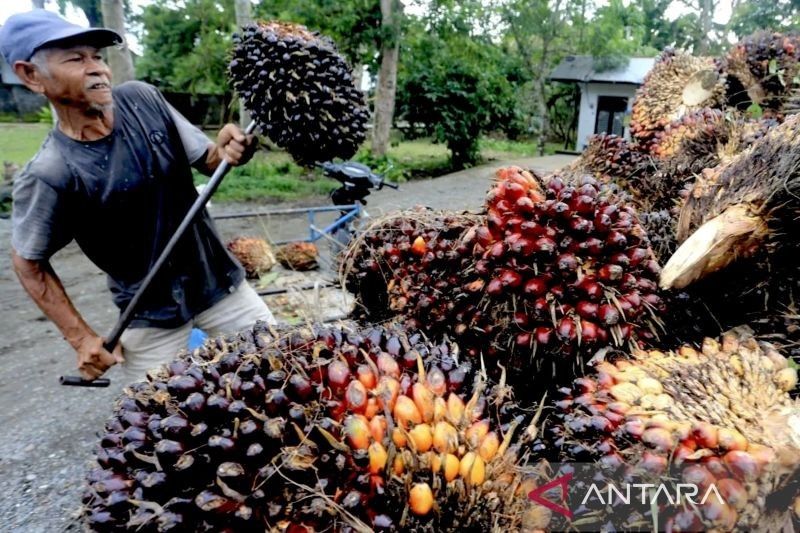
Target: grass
(273, 175)
(19, 142)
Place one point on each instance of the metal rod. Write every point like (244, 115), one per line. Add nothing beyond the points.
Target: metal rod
(284, 290)
(290, 211)
(127, 315)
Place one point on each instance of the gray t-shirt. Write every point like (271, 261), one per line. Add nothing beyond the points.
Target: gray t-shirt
(121, 198)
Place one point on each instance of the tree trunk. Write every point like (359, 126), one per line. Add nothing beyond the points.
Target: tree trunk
(119, 57)
(358, 75)
(706, 15)
(38, 4)
(244, 16)
(387, 77)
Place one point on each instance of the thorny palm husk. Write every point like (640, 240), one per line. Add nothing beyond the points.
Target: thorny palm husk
(717, 416)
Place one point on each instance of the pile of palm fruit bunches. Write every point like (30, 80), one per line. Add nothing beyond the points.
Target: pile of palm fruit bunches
(503, 362)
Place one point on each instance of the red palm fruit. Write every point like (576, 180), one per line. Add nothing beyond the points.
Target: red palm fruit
(524, 339)
(567, 262)
(536, 286)
(566, 329)
(524, 205)
(510, 278)
(608, 315)
(495, 287)
(610, 273)
(587, 310)
(545, 245)
(483, 236)
(543, 335)
(588, 332)
(521, 318)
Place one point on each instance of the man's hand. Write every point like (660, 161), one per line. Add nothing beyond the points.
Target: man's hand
(234, 147)
(93, 359)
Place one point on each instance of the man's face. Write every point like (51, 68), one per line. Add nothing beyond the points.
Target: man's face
(77, 77)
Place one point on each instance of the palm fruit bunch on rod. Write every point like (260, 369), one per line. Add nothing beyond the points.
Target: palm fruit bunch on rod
(254, 254)
(308, 429)
(677, 83)
(409, 263)
(764, 66)
(563, 269)
(299, 89)
(716, 416)
(738, 232)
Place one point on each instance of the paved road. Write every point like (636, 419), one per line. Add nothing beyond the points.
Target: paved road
(49, 431)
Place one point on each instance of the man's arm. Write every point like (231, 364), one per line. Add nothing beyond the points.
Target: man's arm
(232, 146)
(46, 289)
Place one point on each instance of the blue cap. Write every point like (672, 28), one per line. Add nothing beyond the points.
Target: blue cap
(25, 33)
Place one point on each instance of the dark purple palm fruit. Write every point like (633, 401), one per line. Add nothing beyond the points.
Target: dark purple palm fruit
(300, 91)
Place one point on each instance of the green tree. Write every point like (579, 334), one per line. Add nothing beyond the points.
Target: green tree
(454, 85)
(186, 46)
(92, 9)
(751, 16)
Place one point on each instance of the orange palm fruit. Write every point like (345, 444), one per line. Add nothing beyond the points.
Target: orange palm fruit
(420, 499)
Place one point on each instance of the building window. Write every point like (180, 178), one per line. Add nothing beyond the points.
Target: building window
(611, 115)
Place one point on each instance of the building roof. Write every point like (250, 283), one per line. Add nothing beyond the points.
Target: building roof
(581, 68)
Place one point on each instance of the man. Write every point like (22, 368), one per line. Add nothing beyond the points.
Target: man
(114, 175)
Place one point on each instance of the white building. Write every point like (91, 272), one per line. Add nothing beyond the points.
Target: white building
(606, 97)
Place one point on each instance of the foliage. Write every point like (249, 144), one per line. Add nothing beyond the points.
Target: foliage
(751, 16)
(354, 25)
(186, 46)
(91, 9)
(454, 84)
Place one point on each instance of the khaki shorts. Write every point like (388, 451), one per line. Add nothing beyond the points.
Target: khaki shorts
(148, 348)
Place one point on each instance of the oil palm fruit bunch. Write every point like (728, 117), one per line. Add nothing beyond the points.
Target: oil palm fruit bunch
(300, 256)
(738, 233)
(611, 158)
(678, 83)
(254, 254)
(563, 269)
(764, 66)
(307, 429)
(409, 263)
(695, 134)
(300, 91)
(720, 416)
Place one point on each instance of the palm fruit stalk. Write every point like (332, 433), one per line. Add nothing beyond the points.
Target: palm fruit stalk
(300, 90)
(254, 254)
(409, 263)
(763, 67)
(678, 83)
(563, 269)
(738, 239)
(315, 428)
(719, 415)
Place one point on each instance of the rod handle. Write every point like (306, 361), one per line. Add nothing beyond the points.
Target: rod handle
(77, 381)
